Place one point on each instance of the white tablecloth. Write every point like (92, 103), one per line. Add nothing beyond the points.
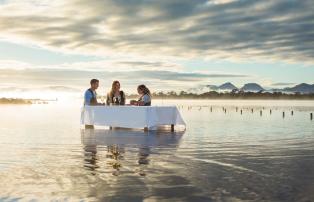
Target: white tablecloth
(131, 116)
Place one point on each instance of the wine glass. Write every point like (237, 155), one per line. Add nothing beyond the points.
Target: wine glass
(102, 98)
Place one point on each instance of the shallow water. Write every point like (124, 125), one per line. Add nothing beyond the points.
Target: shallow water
(222, 156)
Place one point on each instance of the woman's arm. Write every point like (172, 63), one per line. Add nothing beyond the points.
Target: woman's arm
(147, 100)
(108, 100)
(122, 98)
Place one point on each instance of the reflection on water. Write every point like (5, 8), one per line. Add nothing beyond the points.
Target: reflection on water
(223, 155)
(112, 143)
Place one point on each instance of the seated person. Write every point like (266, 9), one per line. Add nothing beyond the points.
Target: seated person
(90, 97)
(115, 96)
(145, 96)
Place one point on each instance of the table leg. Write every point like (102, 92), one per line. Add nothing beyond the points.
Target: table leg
(89, 126)
(172, 127)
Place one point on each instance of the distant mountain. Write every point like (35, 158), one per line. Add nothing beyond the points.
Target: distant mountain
(211, 87)
(227, 86)
(301, 88)
(252, 87)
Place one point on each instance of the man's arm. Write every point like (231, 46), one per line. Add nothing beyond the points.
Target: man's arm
(87, 97)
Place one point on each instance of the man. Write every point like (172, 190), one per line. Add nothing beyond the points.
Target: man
(90, 97)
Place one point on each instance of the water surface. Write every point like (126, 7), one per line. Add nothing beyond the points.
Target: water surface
(222, 156)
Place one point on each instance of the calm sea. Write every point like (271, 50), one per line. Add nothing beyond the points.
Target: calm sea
(223, 155)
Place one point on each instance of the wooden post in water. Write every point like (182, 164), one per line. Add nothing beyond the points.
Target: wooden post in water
(283, 114)
(89, 126)
(292, 113)
(211, 109)
(252, 110)
(172, 127)
(311, 116)
(241, 111)
(261, 113)
(270, 111)
(236, 109)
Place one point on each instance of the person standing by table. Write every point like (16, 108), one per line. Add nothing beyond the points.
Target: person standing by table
(90, 96)
(145, 96)
(115, 96)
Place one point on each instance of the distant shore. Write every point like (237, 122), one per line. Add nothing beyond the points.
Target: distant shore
(230, 96)
(21, 101)
(213, 95)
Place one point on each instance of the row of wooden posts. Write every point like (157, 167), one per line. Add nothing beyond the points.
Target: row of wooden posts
(241, 111)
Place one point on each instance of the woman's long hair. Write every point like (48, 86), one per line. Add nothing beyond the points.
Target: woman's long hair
(144, 89)
(113, 86)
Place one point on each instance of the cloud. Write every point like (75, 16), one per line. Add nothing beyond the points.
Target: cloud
(158, 75)
(224, 29)
(13, 64)
(283, 84)
(110, 65)
(79, 79)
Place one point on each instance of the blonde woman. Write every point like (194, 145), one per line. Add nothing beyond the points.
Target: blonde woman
(115, 96)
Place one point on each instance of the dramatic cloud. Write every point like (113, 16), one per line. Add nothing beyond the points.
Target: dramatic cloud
(229, 29)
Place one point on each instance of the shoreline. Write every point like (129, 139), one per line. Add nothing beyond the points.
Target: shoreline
(259, 98)
(21, 101)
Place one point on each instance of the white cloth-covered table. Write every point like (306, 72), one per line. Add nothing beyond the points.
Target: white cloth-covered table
(131, 116)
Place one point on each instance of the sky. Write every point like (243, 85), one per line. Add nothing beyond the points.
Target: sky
(58, 45)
